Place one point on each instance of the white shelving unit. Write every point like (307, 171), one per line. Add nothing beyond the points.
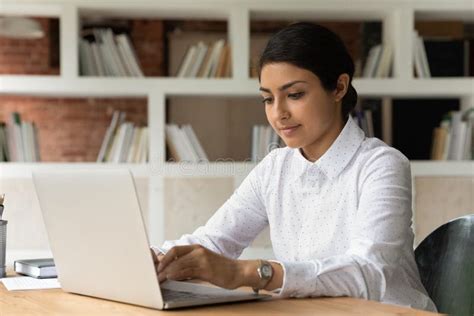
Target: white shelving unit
(397, 17)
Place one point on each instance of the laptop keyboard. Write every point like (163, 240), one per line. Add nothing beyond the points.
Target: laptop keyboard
(171, 295)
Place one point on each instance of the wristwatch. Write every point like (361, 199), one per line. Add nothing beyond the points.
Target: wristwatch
(265, 272)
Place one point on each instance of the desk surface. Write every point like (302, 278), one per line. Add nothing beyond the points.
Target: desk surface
(58, 302)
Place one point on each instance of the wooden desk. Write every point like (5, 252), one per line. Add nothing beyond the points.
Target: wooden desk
(58, 302)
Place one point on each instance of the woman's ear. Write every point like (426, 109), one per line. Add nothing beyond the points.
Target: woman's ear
(341, 87)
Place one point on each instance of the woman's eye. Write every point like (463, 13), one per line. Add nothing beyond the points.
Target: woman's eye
(266, 100)
(296, 96)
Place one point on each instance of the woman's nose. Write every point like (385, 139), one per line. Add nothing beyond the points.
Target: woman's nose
(281, 110)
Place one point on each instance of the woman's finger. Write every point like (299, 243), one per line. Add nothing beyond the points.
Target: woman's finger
(173, 254)
(183, 274)
(184, 263)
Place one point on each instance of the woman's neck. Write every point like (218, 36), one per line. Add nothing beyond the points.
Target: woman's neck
(315, 150)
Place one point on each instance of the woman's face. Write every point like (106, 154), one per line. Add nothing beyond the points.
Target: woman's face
(299, 109)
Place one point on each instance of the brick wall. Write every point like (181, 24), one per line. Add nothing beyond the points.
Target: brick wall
(71, 129)
(30, 56)
(147, 37)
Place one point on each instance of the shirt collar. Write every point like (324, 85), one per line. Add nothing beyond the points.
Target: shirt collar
(336, 158)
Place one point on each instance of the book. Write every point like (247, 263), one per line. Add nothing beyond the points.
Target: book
(222, 61)
(457, 135)
(107, 142)
(36, 142)
(422, 56)
(142, 151)
(204, 65)
(102, 53)
(183, 144)
(439, 142)
(37, 268)
(385, 62)
(96, 60)
(372, 61)
(417, 57)
(191, 135)
(17, 142)
(134, 144)
(218, 48)
(201, 50)
(174, 148)
(4, 153)
(453, 139)
(124, 42)
(186, 64)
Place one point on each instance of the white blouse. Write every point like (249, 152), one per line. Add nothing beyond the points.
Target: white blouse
(340, 226)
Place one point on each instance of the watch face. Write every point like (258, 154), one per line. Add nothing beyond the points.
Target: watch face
(267, 271)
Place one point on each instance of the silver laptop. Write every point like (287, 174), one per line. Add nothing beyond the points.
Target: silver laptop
(100, 246)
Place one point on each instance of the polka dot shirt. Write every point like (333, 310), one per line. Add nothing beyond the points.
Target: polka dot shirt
(340, 226)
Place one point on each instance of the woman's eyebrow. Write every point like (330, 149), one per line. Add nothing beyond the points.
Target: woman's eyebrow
(283, 87)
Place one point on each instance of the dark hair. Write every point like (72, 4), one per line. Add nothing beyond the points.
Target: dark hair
(317, 49)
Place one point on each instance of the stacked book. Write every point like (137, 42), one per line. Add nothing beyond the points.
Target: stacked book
(364, 119)
(101, 53)
(420, 58)
(379, 61)
(183, 144)
(124, 142)
(454, 138)
(19, 140)
(264, 139)
(36, 268)
(206, 61)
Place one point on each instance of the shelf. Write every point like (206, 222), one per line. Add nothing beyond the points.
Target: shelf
(442, 168)
(396, 16)
(126, 87)
(434, 87)
(19, 170)
(212, 169)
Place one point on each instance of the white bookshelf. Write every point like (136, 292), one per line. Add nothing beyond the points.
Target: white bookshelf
(131, 87)
(397, 17)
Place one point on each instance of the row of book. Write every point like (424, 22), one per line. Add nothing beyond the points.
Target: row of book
(264, 139)
(206, 61)
(443, 57)
(124, 142)
(379, 61)
(19, 140)
(101, 53)
(184, 144)
(420, 59)
(434, 57)
(454, 138)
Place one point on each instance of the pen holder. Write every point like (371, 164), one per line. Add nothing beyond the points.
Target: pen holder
(3, 247)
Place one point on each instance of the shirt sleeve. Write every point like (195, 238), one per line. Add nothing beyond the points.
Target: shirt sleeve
(236, 223)
(381, 231)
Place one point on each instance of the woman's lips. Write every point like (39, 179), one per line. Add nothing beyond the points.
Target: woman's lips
(289, 130)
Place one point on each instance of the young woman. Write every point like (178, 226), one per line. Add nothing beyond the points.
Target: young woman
(338, 203)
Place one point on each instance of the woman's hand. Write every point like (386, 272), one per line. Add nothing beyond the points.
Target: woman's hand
(197, 262)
